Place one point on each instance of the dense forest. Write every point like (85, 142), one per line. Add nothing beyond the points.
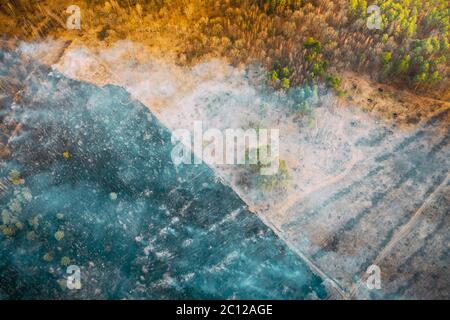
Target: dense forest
(299, 42)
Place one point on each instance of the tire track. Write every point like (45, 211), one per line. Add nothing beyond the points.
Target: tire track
(429, 123)
(334, 240)
(404, 231)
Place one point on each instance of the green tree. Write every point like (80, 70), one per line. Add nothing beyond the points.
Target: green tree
(311, 43)
(403, 65)
(386, 58)
(285, 84)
